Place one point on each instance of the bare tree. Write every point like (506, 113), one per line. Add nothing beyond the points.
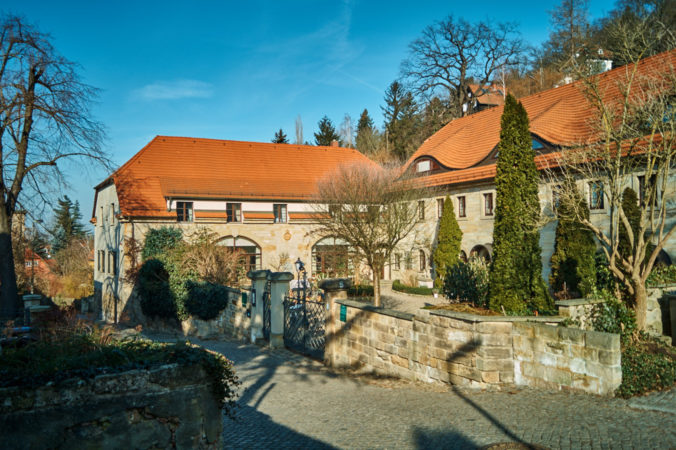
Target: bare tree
(452, 53)
(299, 130)
(360, 205)
(347, 132)
(635, 132)
(44, 119)
(571, 33)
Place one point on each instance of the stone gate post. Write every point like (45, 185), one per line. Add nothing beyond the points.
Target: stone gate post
(279, 287)
(334, 289)
(258, 280)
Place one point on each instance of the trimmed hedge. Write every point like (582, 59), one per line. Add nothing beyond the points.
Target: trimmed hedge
(360, 290)
(205, 300)
(401, 287)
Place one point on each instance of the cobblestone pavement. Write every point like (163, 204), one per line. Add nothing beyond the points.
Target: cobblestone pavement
(287, 401)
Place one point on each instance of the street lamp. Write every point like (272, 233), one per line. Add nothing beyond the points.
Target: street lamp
(300, 267)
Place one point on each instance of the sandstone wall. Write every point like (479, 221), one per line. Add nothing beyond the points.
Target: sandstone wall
(168, 407)
(464, 349)
(568, 358)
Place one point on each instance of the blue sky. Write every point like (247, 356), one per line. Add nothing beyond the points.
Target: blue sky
(241, 70)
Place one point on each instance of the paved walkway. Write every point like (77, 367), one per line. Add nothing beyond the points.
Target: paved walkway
(401, 301)
(287, 401)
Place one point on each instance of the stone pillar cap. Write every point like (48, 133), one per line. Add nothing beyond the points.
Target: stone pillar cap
(258, 274)
(280, 276)
(335, 284)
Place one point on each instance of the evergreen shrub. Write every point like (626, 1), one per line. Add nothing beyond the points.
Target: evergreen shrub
(157, 300)
(360, 290)
(573, 267)
(646, 366)
(516, 282)
(205, 300)
(447, 253)
(468, 282)
(160, 240)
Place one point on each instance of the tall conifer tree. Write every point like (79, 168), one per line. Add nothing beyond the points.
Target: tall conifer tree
(448, 247)
(573, 260)
(327, 132)
(516, 273)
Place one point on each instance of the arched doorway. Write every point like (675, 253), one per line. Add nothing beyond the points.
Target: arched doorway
(331, 257)
(249, 251)
(482, 251)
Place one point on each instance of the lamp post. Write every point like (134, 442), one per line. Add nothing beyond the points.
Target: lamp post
(300, 267)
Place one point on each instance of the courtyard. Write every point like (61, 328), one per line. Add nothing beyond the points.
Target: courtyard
(288, 401)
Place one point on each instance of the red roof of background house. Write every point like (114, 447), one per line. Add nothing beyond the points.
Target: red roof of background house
(560, 116)
(183, 167)
(489, 94)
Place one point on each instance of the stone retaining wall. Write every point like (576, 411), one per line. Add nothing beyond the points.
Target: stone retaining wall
(446, 347)
(657, 317)
(168, 407)
(569, 358)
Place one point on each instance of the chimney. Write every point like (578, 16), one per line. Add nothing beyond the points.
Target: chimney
(334, 143)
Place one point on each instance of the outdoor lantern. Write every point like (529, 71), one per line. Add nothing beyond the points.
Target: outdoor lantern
(300, 265)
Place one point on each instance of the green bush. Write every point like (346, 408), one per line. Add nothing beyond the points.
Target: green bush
(84, 356)
(605, 279)
(401, 287)
(572, 264)
(160, 240)
(662, 275)
(157, 299)
(360, 290)
(613, 316)
(516, 283)
(205, 300)
(448, 243)
(468, 282)
(646, 367)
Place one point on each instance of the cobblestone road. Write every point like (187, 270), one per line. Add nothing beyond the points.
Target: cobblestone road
(287, 401)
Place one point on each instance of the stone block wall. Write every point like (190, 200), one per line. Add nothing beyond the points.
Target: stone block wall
(446, 347)
(578, 310)
(566, 358)
(168, 407)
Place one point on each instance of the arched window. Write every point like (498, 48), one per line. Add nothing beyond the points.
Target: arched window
(463, 256)
(249, 251)
(330, 257)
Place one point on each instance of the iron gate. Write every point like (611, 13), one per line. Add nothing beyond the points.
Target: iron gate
(304, 326)
(266, 311)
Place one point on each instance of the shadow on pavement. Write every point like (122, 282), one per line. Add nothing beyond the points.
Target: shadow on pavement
(433, 439)
(253, 429)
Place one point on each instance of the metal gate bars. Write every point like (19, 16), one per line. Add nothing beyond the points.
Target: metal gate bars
(304, 326)
(267, 310)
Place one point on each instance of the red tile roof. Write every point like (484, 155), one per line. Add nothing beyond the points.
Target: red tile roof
(561, 116)
(488, 95)
(182, 167)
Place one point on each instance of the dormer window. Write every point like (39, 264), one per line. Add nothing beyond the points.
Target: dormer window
(537, 145)
(423, 166)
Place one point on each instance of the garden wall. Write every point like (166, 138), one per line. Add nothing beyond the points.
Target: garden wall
(658, 321)
(168, 407)
(571, 358)
(457, 348)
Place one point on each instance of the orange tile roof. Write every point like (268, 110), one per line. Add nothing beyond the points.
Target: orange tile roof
(183, 167)
(489, 95)
(561, 116)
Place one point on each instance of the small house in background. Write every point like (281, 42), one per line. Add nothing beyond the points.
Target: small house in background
(482, 97)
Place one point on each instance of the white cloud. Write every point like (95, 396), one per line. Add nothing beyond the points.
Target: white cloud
(174, 90)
